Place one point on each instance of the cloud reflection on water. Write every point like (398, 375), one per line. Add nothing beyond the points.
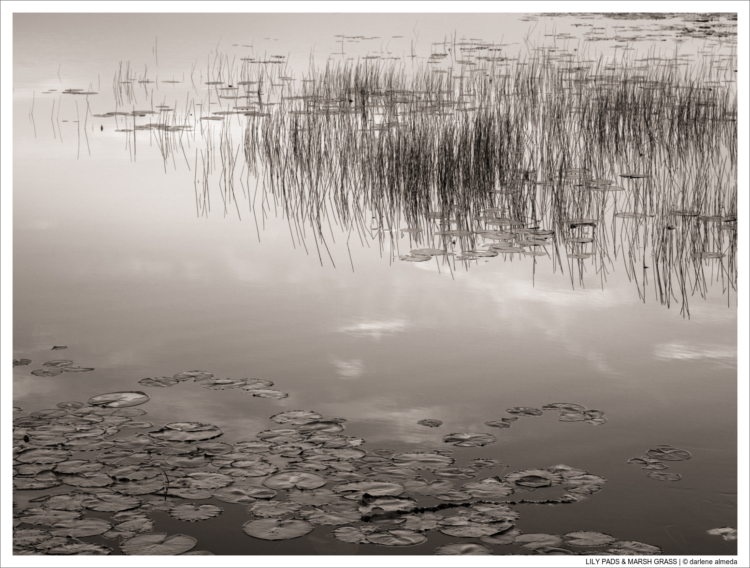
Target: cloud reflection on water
(374, 329)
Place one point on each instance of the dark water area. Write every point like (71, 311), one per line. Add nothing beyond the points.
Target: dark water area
(315, 285)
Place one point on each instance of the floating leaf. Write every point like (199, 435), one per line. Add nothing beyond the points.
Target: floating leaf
(158, 544)
(631, 547)
(351, 535)
(587, 538)
(727, 533)
(476, 530)
(88, 480)
(296, 417)
(534, 478)
(80, 548)
(356, 490)
(192, 513)
(584, 484)
(80, 527)
(524, 411)
(17, 362)
(661, 476)
(485, 462)
(385, 503)
(421, 486)
(194, 375)
(564, 406)
(502, 538)
(668, 453)
(187, 432)
(139, 487)
(243, 493)
(422, 460)
(111, 502)
(469, 439)
(423, 522)
(29, 537)
(29, 483)
(430, 422)
(396, 537)
(297, 479)
(70, 405)
(456, 472)
(159, 382)
(463, 549)
(266, 393)
(313, 497)
(502, 423)
(491, 488)
(43, 456)
(47, 372)
(119, 399)
(275, 529)
(538, 540)
(331, 518)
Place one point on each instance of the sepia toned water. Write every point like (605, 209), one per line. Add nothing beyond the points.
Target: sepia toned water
(118, 257)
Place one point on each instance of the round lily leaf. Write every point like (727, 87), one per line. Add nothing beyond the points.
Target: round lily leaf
(531, 479)
(422, 460)
(78, 466)
(423, 522)
(351, 535)
(88, 480)
(296, 417)
(669, 453)
(187, 432)
(727, 533)
(489, 489)
(79, 549)
(331, 518)
(243, 494)
(266, 393)
(524, 411)
(476, 530)
(564, 406)
(662, 476)
(587, 538)
(538, 540)
(502, 538)
(386, 503)
(313, 497)
(119, 399)
(159, 382)
(430, 422)
(463, 549)
(80, 527)
(357, 489)
(158, 544)
(423, 487)
(194, 375)
(139, 487)
(469, 439)
(111, 502)
(298, 479)
(273, 508)
(584, 484)
(397, 537)
(29, 537)
(47, 372)
(326, 426)
(456, 472)
(192, 513)
(632, 547)
(70, 405)
(275, 529)
(30, 483)
(495, 512)
(43, 456)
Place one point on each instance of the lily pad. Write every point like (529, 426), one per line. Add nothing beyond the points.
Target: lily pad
(463, 549)
(273, 508)
(632, 547)
(296, 417)
(192, 513)
(524, 411)
(469, 439)
(159, 382)
(17, 362)
(356, 490)
(43, 456)
(430, 422)
(351, 535)
(476, 530)
(386, 503)
(111, 502)
(79, 549)
(661, 476)
(727, 533)
(538, 540)
(275, 529)
(490, 489)
(294, 479)
(502, 538)
(47, 372)
(531, 479)
(669, 453)
(158, 544)
(187, 432)
(331, 518)
(120, 399)
(194, 375)
(421, 486)
(396, 537)
(266, 393)
(588, 538)
(80, 527)
(243, 493)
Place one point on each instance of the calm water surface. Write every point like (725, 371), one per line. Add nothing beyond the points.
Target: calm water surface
(112, 261)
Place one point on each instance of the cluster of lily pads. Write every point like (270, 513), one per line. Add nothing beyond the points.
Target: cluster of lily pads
(54, 367)
(257, 387)
(653, 459)
(304, 475)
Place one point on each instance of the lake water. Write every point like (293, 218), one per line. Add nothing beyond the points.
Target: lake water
(117, 257)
